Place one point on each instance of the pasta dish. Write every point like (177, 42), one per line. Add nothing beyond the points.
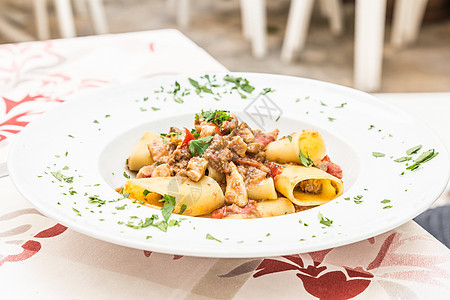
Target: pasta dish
(222, 168)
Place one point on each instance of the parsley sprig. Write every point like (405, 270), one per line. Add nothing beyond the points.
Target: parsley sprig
(166, 211)
(214, 116)
(199, 146)
(240, 85)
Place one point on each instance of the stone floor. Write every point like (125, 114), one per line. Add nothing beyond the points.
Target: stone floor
(216, 27)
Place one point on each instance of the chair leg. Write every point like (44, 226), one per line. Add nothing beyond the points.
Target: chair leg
(183, 13)
(418, 12)
(296, 28)
(98, 16)
(258, 27)
(41, 15)
(80, 7)
(399, 22)
(369, 36)
(245, 19)
(336, 17)
(407, 20)
(65, 18)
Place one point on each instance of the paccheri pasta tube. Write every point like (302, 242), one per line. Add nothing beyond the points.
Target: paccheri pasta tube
(308, 186)
(198, 198)
(287, 149)
(263, 190)
(140, 156)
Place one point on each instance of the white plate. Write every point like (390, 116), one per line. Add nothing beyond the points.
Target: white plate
(89, 139)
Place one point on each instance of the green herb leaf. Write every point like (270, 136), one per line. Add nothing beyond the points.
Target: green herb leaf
(121, 207)
(402, 159)
(182, 209)
(240, 83)
(210, 237)
(168, 207)
(60, 177)
(413, 150)
(324, 220)
(199, 146)
(424, 157)
(289, 138)
(305, 160)
(378, 154)
(215, 116)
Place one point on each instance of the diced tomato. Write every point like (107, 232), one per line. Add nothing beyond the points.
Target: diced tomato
(249, 208)
(275, 169)
(332, 168)
(187, 138)
(217, 128)
(335, 170)
(219, 213)
(326, 158)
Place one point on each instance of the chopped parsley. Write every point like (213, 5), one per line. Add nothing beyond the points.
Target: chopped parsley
(306, 160)
(199, 146)
(267, 90)
(424, 157)
(215, 116)
(200, 88)
(402, 159)
(342, 105)
(240, 84)
(378, 154)
(168, 207)
(61, 177)
(413, 150)
(210, 237)
(182, 209)
(121, 207)
(324, 220)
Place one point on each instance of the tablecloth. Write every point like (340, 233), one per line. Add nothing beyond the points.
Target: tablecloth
(41, 259)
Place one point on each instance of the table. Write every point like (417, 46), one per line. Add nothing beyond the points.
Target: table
(40, 259)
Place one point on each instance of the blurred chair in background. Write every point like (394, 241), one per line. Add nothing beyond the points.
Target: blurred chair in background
(253, 15)
(65, 17)
(407, 20)
(299, 18)
(369, 32)
(64, 14)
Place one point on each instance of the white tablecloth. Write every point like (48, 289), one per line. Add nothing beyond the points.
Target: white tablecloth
(40, 259)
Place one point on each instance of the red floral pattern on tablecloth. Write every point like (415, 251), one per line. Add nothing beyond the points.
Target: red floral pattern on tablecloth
(29, 68)
(346, 282)
(32, 246)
